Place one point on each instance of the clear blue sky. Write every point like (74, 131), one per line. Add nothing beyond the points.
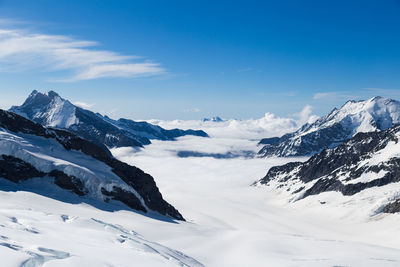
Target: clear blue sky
(236, 59)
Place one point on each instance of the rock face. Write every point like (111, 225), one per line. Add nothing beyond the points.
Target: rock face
(367, 160)
(392, 207)
(50, 110)
(29, 150)
(333, 129)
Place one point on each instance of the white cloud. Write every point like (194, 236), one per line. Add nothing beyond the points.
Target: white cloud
(21, 49)
(339, 95)
(268, 126)
(196, 110)
(305, 115)
(318, 96)
(83, 104)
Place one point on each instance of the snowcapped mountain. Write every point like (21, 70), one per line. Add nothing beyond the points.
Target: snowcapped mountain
(368, 160)
(353, 117)
(213, 119)
(50, 110)
(29, 150)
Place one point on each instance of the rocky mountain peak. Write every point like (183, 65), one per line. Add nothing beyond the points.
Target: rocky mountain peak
(375, 114)
(367, 160)
(51, 110)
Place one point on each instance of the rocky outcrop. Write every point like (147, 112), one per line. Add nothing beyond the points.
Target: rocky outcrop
(50, 110)
(375, 114)
(17, 170)
(148, 197)
(365, 161)
(392, 207)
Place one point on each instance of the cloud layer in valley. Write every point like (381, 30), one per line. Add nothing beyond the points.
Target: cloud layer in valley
(268, 126)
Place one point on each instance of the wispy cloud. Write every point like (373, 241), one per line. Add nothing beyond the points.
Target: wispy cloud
(318, 96)
(334, 96)
(22, 49)
(83, 104)
(195, 110)
(245, 70)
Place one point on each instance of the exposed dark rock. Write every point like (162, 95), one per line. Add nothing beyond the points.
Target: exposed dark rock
(270, 141)
(293, 145)
(68, 182)
(151, 131)
(144, 184)
(19, 124)
(16, 170)
(140, 181)
(327, 169)
(72, 142)
(335, 128)
(126, 197)
(392, 207)
(94, 127)
(279, 170)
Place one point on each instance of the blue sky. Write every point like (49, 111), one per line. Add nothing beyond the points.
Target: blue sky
(194, 59)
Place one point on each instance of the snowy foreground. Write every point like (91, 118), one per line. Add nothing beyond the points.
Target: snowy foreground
(229, 223)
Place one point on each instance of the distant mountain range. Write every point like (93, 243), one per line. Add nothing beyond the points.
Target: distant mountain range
(369, 159)
(213, 119)
(50, 110)
(375, 114)
(28, 150)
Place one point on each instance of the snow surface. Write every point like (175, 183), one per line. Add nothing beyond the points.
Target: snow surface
(60, 114)
(362, 116)
(36, 231)
(230, 223)
(47, 155)
(234, 224)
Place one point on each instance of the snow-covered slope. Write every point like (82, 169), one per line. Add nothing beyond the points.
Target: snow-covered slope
(234, 224)
(365, 162)
(229, 223)
(28, 150)
(51, 110)
(377, 113)
(40, 231)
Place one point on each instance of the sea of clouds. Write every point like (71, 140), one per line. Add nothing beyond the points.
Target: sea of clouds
(253, 129)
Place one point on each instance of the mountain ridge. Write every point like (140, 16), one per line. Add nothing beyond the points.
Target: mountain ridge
(29, 150)
(368, 160)
(50, 110)
(341, 124)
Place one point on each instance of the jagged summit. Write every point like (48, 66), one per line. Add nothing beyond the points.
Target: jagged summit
(51, 110)
(375, 114)
(48, 109)
(37, 96)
